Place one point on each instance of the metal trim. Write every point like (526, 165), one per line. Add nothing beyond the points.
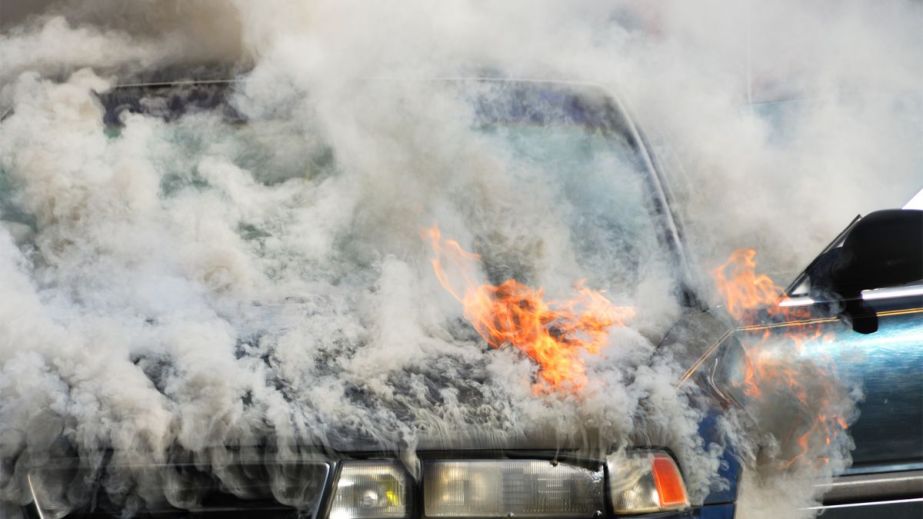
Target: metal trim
(864, 487)
(868, 503)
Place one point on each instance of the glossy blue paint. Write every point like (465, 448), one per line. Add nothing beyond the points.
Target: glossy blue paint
(722, 511)
(888, 365)
(719, 511)
(730, 466)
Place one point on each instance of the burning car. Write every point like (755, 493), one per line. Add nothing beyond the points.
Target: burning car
(612, 460)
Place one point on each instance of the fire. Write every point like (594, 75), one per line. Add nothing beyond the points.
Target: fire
(752, 299)
(745, 292)
(554, 334)
(742, 289)
(773, 338)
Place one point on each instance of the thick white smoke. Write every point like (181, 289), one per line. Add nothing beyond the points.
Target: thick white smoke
(202, 283)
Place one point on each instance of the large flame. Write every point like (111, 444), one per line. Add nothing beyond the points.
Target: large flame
(554, 334)
(773, 338)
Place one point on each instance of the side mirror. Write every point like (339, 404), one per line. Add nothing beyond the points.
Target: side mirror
(883, 249)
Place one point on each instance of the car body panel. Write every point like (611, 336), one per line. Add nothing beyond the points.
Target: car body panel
(889, 364)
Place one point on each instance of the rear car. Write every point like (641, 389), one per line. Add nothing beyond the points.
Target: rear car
(856, 311)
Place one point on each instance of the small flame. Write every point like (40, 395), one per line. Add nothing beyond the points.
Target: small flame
(745, 292)
(554, 334)
(751, 298)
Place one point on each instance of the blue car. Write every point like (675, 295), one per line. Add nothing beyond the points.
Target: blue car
(534, 476)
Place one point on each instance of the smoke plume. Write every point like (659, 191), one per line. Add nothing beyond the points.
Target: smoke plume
(201, 283)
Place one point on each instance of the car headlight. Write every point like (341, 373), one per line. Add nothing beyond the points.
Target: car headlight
(506, 488)
(644, 482)
(370, 490)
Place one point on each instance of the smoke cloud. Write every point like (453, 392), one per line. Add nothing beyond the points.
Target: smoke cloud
(201, 283)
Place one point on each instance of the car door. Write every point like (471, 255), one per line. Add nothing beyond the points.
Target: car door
(882, 352)
(853, 319)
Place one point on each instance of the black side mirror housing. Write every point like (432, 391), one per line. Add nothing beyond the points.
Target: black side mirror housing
(883, 249)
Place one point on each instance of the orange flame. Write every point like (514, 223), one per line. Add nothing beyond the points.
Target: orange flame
(750, 298)
(554, 334)
(745, 292)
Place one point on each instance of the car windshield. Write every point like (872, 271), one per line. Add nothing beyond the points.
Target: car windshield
(286, 254)
(548, 156)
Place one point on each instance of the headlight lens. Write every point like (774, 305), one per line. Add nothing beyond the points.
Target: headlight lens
(501, 488)
(370, 490)
(644, 482)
